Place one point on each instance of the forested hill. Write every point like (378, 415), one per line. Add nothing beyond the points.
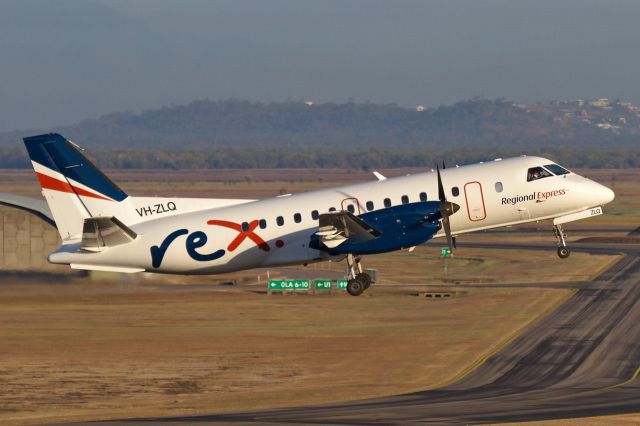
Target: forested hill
(316, 130)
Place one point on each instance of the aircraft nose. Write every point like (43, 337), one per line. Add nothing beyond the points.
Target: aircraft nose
(605, 195)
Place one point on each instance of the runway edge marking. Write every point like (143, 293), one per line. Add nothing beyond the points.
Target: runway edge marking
(498, 347)
(633, 378)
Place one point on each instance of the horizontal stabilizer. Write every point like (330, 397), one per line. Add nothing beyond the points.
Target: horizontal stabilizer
(32, 205)
(101, 232)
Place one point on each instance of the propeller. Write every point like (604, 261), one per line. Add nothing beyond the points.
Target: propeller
(447, 208)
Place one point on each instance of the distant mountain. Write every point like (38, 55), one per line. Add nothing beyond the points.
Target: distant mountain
(287, 134)
(477, 123)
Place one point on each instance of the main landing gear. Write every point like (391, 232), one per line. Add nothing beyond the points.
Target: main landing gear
(359, 281)
(563, 250)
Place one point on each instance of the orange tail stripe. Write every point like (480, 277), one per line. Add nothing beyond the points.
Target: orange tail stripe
(47, 182)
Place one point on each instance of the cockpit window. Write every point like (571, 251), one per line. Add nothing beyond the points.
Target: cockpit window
(536, 173)
(557, 170)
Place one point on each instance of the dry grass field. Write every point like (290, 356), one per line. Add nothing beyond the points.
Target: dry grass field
(95, 350)
(75, 348)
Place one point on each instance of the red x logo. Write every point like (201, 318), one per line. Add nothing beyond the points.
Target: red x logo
(242, 235)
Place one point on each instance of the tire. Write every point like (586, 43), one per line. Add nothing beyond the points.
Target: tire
(355, 287)
(563, 252)
(365, 278)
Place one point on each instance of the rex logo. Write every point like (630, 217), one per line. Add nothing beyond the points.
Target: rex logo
(199, 239)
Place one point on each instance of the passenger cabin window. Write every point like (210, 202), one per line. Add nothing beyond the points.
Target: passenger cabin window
(315, 215)
(455, 191)
(263, 223)
(280, 220)
(405, 199)
(423, 196)
(297, 218)
(387, 202)
(556, 170)
(351, 208)
(370, 205)
(245, 227)
(499, 187)
(536, 173)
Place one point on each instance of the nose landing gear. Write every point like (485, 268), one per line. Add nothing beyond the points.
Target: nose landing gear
(563, 250)
(359, 281)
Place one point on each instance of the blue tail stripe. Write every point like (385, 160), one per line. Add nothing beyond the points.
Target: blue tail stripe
(56, 152)
(37, 151)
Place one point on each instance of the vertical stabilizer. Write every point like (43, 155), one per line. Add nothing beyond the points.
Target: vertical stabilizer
(72, 186)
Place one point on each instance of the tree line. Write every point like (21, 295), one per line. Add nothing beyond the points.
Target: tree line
(358, 158)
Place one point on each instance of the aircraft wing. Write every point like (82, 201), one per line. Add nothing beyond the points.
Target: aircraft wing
(338, 227)
(33, 205)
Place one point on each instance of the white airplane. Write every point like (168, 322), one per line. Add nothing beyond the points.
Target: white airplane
(103, 228)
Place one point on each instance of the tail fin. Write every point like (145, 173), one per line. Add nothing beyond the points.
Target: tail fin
(72, 186)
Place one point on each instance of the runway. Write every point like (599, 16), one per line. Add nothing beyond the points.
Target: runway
(582, 359)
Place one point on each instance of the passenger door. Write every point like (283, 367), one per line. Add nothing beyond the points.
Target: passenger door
(476, 210)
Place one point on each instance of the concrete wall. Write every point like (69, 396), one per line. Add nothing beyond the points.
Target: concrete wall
(26, 241)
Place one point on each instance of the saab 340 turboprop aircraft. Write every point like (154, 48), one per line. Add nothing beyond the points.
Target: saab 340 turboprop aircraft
(103, 228)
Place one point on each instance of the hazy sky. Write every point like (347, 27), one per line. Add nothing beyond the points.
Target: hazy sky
(65, 60)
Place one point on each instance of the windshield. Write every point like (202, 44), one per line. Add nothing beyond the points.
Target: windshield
(536, 173)
(557, 170)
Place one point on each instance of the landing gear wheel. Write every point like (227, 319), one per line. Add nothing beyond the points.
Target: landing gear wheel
(365, 278)
(356, 286)
(563, 252)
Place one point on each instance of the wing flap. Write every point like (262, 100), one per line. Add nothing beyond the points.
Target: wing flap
(337, 227)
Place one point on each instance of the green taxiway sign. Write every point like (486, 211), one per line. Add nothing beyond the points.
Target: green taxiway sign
(284, 285)
(445, 252)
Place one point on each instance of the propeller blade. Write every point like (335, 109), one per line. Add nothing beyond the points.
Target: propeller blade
(447, 208)
(441, 195)
(443, 165)
(447, 230)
